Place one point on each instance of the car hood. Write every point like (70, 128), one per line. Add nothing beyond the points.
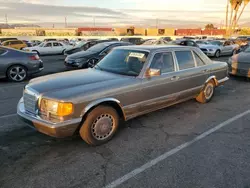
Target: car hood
(73, 83)
(82, 54)
(208, 46)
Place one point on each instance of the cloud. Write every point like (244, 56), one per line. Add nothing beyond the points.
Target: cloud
(136, 12)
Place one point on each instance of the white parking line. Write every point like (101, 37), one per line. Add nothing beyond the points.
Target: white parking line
(164, 156)
(8, 116)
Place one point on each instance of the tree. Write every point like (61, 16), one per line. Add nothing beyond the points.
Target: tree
(246, 2)
(209, 26)
(227, 9)
(234, 17)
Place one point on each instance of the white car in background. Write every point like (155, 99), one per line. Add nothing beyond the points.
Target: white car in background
(218, 48)
(49, 48)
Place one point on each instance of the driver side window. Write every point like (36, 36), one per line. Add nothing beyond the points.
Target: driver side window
(163, 61)
(48, 45)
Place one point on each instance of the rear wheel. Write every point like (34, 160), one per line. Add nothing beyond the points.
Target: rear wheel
(207, 93)
(17, 73)
(100, 125)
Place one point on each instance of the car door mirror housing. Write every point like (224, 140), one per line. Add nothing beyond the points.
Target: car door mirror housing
(152, 72)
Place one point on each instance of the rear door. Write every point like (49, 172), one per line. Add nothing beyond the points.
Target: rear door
(56, 48)
(192, 73)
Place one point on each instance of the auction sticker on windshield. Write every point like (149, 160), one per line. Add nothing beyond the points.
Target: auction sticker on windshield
(136, 54)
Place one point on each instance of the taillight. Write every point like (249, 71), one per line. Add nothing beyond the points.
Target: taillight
(34, 57)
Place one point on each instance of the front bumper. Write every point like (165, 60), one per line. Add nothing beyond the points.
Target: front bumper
(75, 65)
(209, 53)
(58, 130)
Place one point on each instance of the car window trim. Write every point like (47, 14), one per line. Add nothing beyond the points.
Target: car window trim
(204, 64)
(178, 50)
(6, 51)
(175, 68)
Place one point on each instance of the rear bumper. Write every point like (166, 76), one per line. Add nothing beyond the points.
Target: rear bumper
(222, 81)
(58, 130)
(32, 69)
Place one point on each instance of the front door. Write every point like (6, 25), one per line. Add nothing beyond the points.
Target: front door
(160, 91)
(47, 48)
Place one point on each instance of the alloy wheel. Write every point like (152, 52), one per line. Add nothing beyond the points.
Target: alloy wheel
(103, 127)
(17, 73)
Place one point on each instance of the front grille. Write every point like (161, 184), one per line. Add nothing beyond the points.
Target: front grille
(30, 101)
(204, 50)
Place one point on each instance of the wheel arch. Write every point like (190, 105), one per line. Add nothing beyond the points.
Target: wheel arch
(212, 78)
(116, 104)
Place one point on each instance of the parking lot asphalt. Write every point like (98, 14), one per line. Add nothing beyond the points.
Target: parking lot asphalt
(131, 159)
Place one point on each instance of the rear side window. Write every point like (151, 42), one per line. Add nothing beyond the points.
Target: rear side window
(185, 59)
(198, 60)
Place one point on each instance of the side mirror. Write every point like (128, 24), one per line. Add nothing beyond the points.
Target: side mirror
(152, 72)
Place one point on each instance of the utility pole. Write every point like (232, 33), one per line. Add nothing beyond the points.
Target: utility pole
(157, 22)
(66, 25)
(6, 19)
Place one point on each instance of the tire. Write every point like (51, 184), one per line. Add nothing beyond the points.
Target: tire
(92, 62)
(36, 52)
(17, 73)
(207, 93)
(63, 52)
(217, 54)
(91, 129)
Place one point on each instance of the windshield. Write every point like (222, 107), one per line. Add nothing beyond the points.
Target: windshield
(80, 44)
(98, 47)
(41, 45)
(216, 43)
(124, 62)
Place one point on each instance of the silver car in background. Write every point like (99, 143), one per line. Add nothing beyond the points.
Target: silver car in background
(218, 48)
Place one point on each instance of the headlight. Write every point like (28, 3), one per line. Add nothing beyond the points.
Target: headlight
(56, 108)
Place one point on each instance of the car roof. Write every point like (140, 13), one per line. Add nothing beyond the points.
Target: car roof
(154, 47)
(12, 40)
(114, 42)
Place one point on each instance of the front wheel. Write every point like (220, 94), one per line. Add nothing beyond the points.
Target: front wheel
(92, 62)
(17, 73)
(217, 54)
(207, 93)
(100, 125)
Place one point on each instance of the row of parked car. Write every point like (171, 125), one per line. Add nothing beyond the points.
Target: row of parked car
(88, 53)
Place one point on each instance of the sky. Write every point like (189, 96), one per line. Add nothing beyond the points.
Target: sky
(117, 13)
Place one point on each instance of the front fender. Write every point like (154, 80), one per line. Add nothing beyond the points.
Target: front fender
(101, 101)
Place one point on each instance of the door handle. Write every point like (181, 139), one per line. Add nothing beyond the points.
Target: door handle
(175, 78)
